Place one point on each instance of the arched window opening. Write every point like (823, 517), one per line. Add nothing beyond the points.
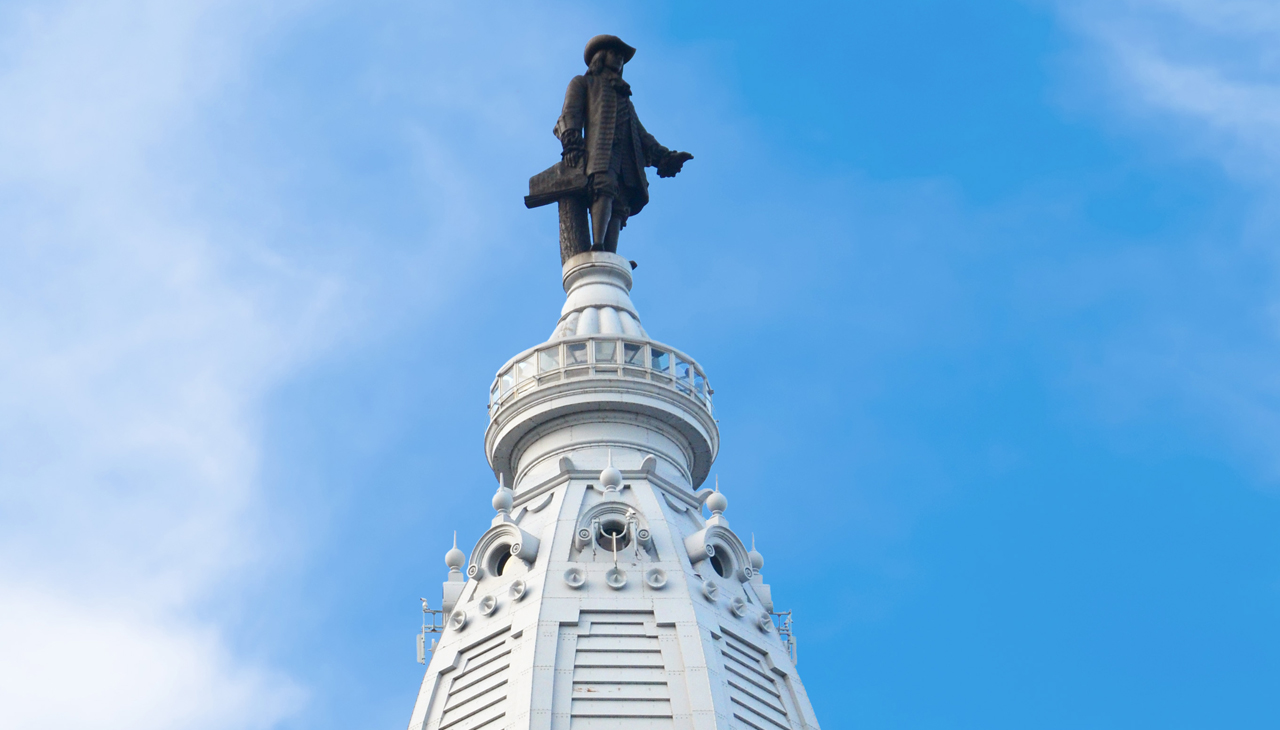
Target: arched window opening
(503, 559)
(499, 560)
(613, 534)
(719, 565)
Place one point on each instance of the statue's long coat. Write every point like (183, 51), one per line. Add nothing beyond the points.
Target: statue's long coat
(593, 102)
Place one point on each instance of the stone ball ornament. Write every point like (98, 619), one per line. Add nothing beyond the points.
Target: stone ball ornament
(503, 499)
(455, 558)
(717, 502)
(610, 478)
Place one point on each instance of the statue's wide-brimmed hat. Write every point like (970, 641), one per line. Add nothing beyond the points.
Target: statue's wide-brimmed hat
(602, 42)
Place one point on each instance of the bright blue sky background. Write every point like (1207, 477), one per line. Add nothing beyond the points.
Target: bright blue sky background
(988, 293)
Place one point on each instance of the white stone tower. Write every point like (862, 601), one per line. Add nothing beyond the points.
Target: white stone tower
(601, 597)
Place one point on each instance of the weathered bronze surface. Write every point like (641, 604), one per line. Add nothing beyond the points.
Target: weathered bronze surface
(605, 151)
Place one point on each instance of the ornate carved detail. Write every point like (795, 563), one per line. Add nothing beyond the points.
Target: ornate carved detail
(498, 541)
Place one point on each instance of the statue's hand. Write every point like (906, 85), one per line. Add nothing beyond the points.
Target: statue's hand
(573, 146)
(673, 163)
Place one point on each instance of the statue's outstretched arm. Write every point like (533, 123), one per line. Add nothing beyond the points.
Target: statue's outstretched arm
(668, 162)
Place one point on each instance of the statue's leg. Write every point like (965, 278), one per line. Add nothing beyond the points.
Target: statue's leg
(575, 234)
(601, 215)
(616, 222)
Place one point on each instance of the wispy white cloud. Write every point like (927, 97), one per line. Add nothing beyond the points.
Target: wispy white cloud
(1198, 80)
(143, 328)
(1211, 67)
(133, 354)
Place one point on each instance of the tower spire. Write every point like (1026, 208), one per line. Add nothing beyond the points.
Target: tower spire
(598, 600)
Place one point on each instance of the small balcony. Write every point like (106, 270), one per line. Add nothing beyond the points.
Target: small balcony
(600, 357)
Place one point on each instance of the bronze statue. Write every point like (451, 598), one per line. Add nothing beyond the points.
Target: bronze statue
(602, 169)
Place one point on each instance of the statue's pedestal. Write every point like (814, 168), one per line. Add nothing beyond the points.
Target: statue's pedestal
(575, 231)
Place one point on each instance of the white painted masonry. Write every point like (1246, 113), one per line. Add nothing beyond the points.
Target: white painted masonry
(601, 597)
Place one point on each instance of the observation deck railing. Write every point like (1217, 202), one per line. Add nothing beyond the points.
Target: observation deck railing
(597, 356)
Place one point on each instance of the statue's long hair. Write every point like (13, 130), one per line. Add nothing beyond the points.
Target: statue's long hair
(597, 67)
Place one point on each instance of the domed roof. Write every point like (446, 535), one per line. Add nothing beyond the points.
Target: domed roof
(598, 285)
(599, 321)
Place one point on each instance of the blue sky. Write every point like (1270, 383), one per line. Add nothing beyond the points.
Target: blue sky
(988, 293)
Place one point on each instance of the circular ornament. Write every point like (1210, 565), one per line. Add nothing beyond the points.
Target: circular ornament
(738, 606)
(764, 621)
(616, 578)
(458, 620)
(517, 590)
(488, 605)
(656, 578)
(710, 591)
(574, 577)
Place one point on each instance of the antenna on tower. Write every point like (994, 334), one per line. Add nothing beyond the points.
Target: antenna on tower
(434, 626)
(422, 637)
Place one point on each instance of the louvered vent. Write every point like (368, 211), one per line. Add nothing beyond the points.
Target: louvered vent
(619, 680)
(756, 699)
(478, 691)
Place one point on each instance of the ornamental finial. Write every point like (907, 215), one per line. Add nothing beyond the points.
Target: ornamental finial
(610, 478)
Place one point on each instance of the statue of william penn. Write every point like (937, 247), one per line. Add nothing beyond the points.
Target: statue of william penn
(603, 167)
